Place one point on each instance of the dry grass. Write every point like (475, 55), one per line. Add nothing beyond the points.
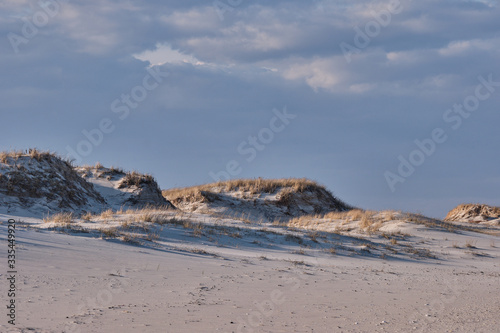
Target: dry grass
(314, 236)
(4, 156)
(153, 236)
(367, 220)
(87, 216)
(468, 211)
(371, 221)
(147, 216)
(390, 215)
(470, 245)
(60, 218)
(197, 228)
(253, 186)
(127, 225)
(44, 175)
(297, 262)
(424, 253)
(300, 251)
(332, 250)
(198, 251)
(136, 179)
(131, 239)
(120, 211)
(351, 215)
(107, 214)
(449, 226)
(109, 232)
(33, 153)
(116, 170)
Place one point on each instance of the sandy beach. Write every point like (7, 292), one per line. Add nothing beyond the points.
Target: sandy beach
(77, 283)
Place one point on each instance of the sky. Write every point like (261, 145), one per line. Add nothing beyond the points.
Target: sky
(389, 104)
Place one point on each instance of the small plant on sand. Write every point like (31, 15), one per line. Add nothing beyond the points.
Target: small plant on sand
(298, 262)
(390, 215)
(301, 252)
(60, 218)
(153, 236)
(87, 216)
(107, 214)
(366, 221)
(109, 232)
(198, 228)
(131, 239)
(136, 179)
(146, 217)
(198, 251)
(332, 250)
(314, 236)
(470, 245)
(120, 211)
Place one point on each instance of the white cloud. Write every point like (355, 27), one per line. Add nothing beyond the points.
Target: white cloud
(402, 56)
(165, 54)
(361, 88)
(324, 73)
(460, 47)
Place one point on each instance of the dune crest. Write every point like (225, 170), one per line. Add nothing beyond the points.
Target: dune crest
(475, 213)
(266, 199)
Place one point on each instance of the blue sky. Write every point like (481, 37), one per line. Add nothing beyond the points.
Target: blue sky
(390, 104)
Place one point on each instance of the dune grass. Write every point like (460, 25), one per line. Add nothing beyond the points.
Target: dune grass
(60, 218)
(367, 220)
(469, 211)
(253, 186)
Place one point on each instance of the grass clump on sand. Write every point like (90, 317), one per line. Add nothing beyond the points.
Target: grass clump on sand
(367, 220)
(471, 211)
(60, 218)
(253, 186)
(136, 179)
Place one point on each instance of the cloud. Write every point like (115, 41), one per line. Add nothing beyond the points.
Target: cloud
(456, 48)
(227, 75)
(164, 54)
(318, 73)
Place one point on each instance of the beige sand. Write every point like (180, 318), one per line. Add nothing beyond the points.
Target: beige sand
(79, 283)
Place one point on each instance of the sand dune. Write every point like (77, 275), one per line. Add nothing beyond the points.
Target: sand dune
(241, 259)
